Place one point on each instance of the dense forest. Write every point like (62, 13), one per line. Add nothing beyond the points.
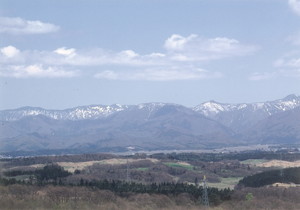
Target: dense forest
(287, 175)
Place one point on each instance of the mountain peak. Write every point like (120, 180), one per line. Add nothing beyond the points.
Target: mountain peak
(291, 97)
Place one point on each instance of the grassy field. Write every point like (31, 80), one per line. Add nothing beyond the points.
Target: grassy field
(142, 169)
(226, 183)
(180, 165)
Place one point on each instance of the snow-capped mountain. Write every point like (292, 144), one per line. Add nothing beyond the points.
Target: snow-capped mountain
(78, 113)
(241, 116)
(212, 108)
(90, 112)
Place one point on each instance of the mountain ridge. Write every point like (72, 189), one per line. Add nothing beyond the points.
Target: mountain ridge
(150, 126)
(209, 109)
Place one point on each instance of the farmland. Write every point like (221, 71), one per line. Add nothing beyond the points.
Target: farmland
(159, 178)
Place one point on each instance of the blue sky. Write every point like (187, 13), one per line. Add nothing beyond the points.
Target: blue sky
(61, 53)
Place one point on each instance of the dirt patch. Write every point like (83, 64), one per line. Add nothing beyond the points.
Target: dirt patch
(286, 185)
(117, 161)
(72, 166)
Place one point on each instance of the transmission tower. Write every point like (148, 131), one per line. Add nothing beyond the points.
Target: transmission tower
(130, 148)
(281, 170)
(205, 200)
(127, 171)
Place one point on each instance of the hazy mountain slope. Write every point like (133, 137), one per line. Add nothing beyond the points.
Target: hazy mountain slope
(279, 128)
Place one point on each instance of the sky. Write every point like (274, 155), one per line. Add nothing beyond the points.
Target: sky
(59, 54)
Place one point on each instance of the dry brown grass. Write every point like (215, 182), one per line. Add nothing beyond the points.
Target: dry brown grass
(280, 163)
(285, 185)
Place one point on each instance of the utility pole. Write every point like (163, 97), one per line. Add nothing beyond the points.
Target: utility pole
(205, 200)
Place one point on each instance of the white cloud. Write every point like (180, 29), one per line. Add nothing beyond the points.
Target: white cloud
(66, 52)
(129, 54)
(10, 51)
(18, 26)
(178, 42)
(35, 71)
(157, 55)
(195, 48)
(159, 74)
(295, 5)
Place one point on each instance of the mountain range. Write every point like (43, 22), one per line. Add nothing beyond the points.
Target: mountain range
(150, 126)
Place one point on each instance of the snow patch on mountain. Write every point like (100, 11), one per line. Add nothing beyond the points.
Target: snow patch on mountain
(212, 108)
(78, 113)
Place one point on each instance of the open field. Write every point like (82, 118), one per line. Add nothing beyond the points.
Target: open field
(180, 165)
(254, 161)
(226, 183)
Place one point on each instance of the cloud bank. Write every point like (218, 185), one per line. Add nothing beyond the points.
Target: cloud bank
(181, 60)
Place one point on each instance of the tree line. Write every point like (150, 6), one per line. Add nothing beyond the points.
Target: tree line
(287, 175)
